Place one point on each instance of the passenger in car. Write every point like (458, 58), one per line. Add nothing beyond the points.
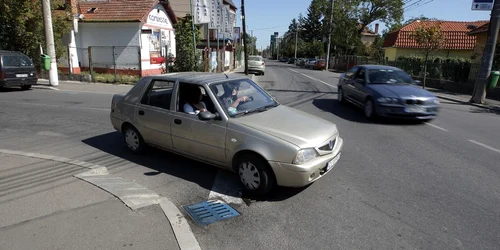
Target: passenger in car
(194, 105)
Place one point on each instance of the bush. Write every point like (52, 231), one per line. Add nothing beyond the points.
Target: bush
(450, 69)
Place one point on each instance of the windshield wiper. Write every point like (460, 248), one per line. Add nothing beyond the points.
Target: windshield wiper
(260, 109)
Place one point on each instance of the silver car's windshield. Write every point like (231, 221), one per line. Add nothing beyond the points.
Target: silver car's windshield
(242, 96)
(387, 76)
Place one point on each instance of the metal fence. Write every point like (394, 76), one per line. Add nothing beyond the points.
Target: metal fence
(110, 62)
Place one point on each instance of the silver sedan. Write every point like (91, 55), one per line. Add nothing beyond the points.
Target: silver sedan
(229, 122)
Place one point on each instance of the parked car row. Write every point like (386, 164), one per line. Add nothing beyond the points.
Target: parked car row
(311, 63)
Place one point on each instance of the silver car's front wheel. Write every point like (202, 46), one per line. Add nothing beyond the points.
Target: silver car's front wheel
(133, 139)
(255, 174)
(249, 175)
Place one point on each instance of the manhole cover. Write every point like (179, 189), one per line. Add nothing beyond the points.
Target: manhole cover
(208, 212)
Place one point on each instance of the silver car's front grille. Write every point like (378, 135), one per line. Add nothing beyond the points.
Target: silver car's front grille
(329, 146)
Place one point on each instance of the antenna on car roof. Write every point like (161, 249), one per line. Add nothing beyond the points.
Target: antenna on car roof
(226, 75)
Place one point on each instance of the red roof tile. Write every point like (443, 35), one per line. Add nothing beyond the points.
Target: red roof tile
(120, 10)
(455, 33)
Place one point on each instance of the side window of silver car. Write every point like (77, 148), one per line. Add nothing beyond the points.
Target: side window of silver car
(159, 94)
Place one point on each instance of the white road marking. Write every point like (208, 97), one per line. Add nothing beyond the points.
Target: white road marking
(226, 187)
(314, 79)
(485, 146)
(435, 126)
(132, 194)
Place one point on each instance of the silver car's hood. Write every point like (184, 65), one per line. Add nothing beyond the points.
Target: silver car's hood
(289, 124)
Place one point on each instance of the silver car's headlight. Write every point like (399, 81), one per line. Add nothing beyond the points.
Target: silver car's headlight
(435, 101)
(387, 100)
(305, 155)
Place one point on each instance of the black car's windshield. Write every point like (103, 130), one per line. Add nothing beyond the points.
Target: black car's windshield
(242, 96)
(16, 61)
(388, 76)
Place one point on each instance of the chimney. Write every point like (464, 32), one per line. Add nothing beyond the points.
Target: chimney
(376, 28)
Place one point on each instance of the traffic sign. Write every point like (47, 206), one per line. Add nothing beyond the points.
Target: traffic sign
(482, 4)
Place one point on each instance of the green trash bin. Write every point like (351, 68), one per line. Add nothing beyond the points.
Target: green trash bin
(45, 62)
(494, 79)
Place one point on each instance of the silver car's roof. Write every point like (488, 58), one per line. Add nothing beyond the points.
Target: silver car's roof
(198, 77)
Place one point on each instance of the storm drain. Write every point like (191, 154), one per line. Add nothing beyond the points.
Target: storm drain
(208, 212)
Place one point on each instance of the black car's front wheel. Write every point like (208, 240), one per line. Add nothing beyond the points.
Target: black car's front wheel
(369, 109)
(340, 96)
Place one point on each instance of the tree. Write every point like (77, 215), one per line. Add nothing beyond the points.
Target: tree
(185, 60)
(345, 37)
(313, 26)
(21, 26)
(430, 38)
(388, 11)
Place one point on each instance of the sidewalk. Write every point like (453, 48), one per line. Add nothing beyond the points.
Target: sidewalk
(44, 207)
(461, 98)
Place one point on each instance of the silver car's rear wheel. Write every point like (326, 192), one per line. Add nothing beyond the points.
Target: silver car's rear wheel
(255, 174)
(133, 139)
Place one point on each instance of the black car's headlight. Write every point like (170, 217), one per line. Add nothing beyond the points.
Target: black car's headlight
(388, 100)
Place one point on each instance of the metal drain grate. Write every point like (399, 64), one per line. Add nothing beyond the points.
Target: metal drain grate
(208, 212)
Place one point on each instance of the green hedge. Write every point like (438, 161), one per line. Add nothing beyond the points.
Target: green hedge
(450, 69)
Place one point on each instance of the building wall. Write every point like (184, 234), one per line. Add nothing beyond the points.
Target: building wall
(392, 54)
(368, 39)
(102, 37)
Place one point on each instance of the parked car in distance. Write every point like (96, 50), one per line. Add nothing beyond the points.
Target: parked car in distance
(244, 129)
(283, 59)
(387, 91)
(299, 61)
(16, 70)
(310, 62)
(319, 64)
(291, 60)
(256, 64)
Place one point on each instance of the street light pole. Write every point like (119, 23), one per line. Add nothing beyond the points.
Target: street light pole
(49, 40)
(244, 35)
(329, 37)
(479, 94)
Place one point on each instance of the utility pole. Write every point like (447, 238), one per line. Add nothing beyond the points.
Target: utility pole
(329, 37)
(253, 43)
(296, 39)
(49, 40)
(244, 35)
(479, 94)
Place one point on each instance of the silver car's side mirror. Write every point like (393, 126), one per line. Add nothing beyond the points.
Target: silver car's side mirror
(206, 116)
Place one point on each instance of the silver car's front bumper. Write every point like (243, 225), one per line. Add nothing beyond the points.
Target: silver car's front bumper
(292, 175)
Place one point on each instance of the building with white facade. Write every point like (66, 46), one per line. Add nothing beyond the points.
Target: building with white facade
(121, 36)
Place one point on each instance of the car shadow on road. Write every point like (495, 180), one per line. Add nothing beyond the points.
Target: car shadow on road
(298, 91)
(160, 161)
(157, 160)
(352, 113)
(7, 90)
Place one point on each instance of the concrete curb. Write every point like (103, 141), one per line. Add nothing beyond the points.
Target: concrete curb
(130, 193)
(44, 87)
(494, 108)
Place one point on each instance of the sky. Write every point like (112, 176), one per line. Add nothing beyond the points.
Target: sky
(264, 17)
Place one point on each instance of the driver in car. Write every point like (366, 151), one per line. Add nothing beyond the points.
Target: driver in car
(230, 98)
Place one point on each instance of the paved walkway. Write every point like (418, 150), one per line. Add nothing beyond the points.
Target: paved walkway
(447, 95)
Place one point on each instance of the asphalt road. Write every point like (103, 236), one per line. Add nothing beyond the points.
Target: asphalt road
(397, 185)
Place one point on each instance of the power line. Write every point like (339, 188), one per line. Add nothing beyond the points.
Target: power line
(420, 5)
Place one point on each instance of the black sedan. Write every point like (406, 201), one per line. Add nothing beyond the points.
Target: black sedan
(387, 92)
